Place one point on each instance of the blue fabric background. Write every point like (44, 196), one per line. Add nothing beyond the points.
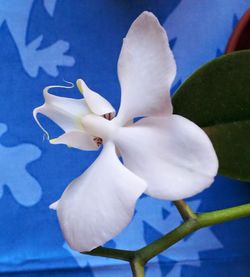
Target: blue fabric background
(33, 173)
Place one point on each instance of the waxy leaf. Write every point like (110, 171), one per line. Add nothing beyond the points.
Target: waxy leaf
(217, 98)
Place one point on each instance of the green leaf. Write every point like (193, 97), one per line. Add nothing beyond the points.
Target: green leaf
(217, 98)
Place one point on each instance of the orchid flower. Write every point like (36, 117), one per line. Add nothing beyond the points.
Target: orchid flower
(164, 155)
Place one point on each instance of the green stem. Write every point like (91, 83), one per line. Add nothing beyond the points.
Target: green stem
(220, 216)
(192, 222)
(189, 226)
(185, 211)
(137, 267)
(148, 252)
(119, 254)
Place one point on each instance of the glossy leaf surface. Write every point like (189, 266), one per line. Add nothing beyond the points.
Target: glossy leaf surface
(217, 98)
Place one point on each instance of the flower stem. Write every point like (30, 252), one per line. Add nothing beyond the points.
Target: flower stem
(185, 211)
(137, 267)
(119, 254)
(202, 220)
(192, 222)
(220, 216)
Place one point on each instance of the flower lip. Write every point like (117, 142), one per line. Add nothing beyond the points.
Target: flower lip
(100, 127)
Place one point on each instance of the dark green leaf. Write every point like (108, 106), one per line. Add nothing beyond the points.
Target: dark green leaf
(217, 98)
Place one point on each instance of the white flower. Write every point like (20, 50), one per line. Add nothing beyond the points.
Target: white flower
(165, 155)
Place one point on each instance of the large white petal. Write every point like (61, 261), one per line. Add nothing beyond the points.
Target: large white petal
(96, 206)
(146, 70)
(76, 139)
(172, 154)
(95, 101)
(65, 112)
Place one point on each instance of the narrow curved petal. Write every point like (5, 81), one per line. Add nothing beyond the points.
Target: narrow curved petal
(146, 70)
(96, 206)
(65, 112)
(172, 154)
(76, 139)
(95, 101)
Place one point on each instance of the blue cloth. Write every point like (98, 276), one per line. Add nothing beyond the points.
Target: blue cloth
(83, 39)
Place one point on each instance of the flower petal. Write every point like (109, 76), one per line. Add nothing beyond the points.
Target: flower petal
(54, 205)
(95, 101)
(65, 112)
(96, 206)
(172, 154)
(76, 139)
(146, 70)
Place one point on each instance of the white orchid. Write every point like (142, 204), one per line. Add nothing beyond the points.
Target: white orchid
(164, 155)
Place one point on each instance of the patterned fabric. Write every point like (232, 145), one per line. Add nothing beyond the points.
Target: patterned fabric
(47, 41)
